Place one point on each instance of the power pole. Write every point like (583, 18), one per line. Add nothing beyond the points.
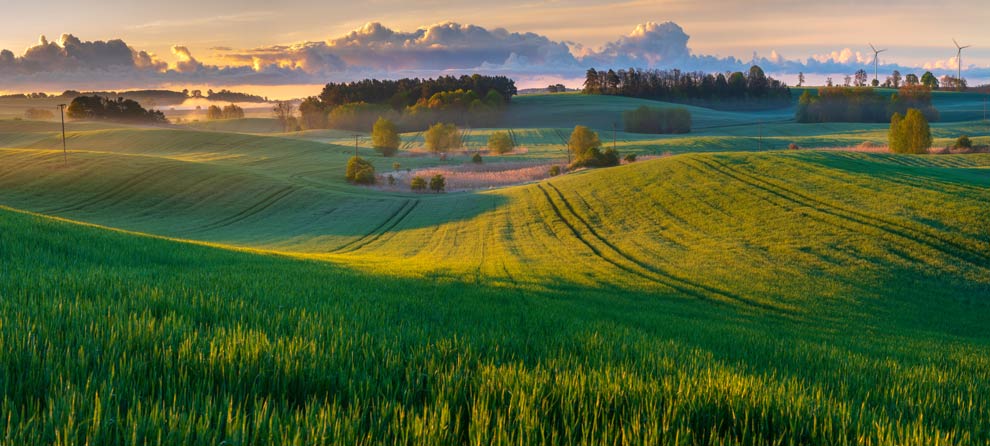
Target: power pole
(613, 136)
(65, 153)
(760, 143)
(356, 145)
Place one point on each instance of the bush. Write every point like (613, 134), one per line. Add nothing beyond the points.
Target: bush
(630, 158)
(554, 171)
(360, 171)
(910, 134)
(442, 137)
(385, 137)
(793, 146)
(657, 120)
(500, 142)
(391, 180)
(476, 158)
(418, 184)
(963, 142)
(438, 183)
(396, 166)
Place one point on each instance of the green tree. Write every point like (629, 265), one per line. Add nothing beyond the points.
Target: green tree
(442, 137)
(910, 134)
(385, 137)
(963, 142)
(911, 79)
(418, 184)
(583, 142)
(438, 183)
(929, 80)
(500, 142)
(360, 171)
(313, 114)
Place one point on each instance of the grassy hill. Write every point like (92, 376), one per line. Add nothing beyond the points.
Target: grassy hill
(230, 287)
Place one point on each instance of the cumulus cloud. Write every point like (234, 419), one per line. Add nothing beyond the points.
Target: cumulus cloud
(375, 50)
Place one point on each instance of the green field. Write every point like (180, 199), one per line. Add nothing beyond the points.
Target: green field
(207, 285)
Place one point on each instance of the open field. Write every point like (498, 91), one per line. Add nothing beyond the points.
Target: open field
(193, 285)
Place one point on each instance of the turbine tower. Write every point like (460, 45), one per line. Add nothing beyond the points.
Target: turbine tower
(959, 59)
(876, 58)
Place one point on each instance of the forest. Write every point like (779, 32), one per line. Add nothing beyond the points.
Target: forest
(715, 90)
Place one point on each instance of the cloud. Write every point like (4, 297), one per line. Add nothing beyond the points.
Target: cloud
(375, 50)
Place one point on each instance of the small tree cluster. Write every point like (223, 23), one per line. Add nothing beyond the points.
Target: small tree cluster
(438, 183)
(417, 184)
(120, 109)
(586, 147)
(657, 120)
(360, 171)
(556, 88)
(285, 114)
(910, 133)
(847, 104)
(385, 137)
(227, 112)
(500, 142)
(442, 137)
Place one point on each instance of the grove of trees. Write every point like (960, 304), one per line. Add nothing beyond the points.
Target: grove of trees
(500, 142)
(718, 90)
(909, 133)
(120, 109)
(862, 104)
(587, 149)
(230, 111)
(657, 120)
(360, 171)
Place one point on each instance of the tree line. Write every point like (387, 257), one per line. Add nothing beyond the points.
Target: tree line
(119, 109)
(407, 92)
(862, 104)
(726, 90)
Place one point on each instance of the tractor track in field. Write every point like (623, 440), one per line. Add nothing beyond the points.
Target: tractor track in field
(115, 192)
(390, 223)
(265, 203)
(899, 230)
(639, 268)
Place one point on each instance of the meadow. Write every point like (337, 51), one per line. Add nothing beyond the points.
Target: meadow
(194, 285)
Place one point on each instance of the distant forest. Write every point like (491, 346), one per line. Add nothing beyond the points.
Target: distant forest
(719, 90)
(408, 92)
(863, 104)
(120, 110)
(411, 104)
(149, 98)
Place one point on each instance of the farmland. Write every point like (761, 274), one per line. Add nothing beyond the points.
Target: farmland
(207, 284)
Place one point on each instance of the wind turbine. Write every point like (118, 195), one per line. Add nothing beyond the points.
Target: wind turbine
(959, 58)
(876, 58)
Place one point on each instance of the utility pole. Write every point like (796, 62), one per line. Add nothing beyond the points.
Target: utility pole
(760, 144)
(613, 136)
(356, 145)
(65, 153)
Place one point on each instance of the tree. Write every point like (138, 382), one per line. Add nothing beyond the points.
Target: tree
(895, 79)
(800, 79)
(313, 114)
(848, 81)
(583, 141)
(910, 134)
(828, 82)
(385, 137)
(929, 80)
(438, 183)
(861, 77)
(232, 111)
(500, 142)
(417, 183)
(963, 142)
(214, 113)
(360, 171)
(911, 80)
(477, 158)
(284, 112)
(442, 137)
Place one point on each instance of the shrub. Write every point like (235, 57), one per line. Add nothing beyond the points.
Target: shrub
(554, 170)
(360, 171)
(476, 158)
(385, 137)
(391, 180)
(500, 142)
(657, 120)
(417, 184)
(910, 134)
(630, 158)
(793, 146)
(396, 166)
(963, 142)
(442, 137)
(438, 183)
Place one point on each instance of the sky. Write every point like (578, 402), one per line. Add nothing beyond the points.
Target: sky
(263, 42)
